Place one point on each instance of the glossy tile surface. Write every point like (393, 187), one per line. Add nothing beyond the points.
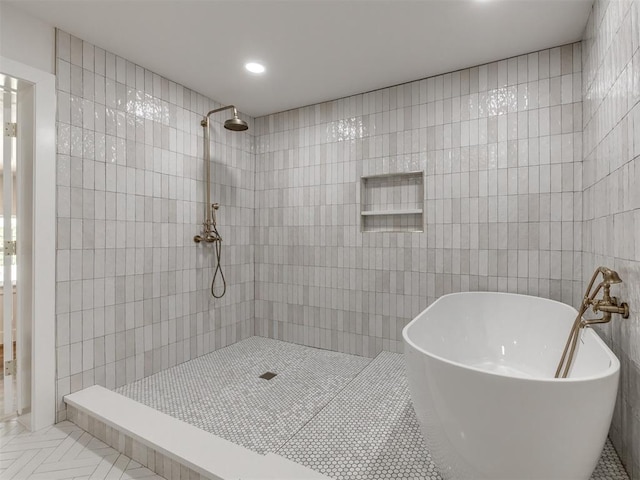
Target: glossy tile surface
(611, 179)
(132, 288)
(501, 148)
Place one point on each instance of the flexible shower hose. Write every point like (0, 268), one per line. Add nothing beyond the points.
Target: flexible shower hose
(570, 346)
(218, 270)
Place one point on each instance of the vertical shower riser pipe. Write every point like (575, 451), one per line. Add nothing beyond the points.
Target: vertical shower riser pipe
(207, 173)
(207, 156)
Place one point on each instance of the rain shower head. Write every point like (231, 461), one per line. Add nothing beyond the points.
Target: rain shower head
(236, 124)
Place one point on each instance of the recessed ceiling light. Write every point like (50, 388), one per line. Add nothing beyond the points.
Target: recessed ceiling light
(254, 67)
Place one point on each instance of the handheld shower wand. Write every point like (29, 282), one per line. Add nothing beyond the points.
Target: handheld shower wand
(209, 232)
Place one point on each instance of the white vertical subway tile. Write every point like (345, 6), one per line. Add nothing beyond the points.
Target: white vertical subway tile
(485, 138)
(106, 150)
(609, 158)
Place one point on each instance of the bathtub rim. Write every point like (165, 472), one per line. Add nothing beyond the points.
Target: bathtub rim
(612, 370)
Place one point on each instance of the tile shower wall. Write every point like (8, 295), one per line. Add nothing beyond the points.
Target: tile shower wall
(132, 287)
(611, 179)
(501, 147)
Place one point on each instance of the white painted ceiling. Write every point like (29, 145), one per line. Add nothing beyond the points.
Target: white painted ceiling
(314, 50)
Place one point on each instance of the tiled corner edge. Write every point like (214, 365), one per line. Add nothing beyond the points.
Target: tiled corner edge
(61, 415)
(146, 456)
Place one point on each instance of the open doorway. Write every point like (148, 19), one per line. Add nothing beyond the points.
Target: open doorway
(33, 192)
(28, 103)
(16, 118)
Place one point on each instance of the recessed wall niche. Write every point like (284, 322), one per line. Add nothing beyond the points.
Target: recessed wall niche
(392, 202)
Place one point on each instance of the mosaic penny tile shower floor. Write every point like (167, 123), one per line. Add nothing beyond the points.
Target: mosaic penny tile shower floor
(345, 416)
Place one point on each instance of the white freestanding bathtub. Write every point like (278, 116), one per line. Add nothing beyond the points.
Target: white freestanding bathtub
(480, 369)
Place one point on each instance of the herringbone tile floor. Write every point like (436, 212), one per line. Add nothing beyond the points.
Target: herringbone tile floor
(60, 452)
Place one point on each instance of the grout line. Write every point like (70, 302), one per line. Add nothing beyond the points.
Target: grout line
(326, 404)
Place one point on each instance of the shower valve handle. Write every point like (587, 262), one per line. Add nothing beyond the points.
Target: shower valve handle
(207, 238)
(611, 306)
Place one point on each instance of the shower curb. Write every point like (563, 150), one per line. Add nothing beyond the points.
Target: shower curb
(169, 447)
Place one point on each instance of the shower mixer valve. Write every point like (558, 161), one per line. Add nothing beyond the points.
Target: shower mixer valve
(209, 230)
(607, 305)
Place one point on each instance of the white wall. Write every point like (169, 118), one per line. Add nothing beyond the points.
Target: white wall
(26, 39)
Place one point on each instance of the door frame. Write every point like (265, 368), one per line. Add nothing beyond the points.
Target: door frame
(43, 236)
